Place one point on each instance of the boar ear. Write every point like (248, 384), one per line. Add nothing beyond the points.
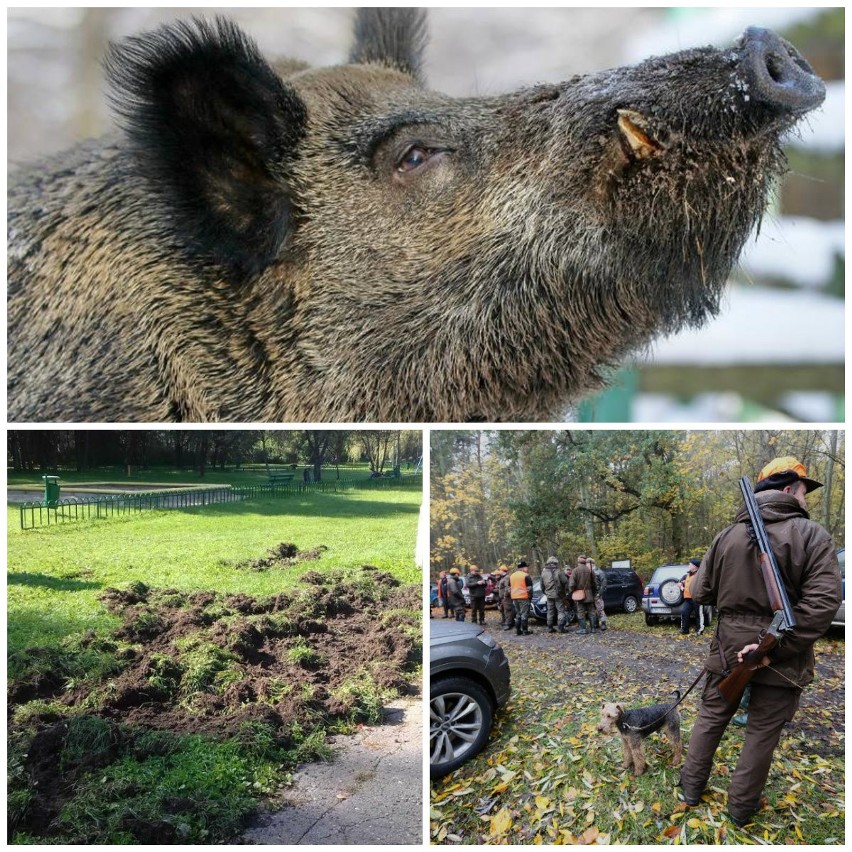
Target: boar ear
(394, 37)
(214, 129)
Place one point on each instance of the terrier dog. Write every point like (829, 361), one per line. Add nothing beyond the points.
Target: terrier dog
(636, 724)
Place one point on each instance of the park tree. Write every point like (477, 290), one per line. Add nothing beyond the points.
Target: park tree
(651, 496)
(378, 447)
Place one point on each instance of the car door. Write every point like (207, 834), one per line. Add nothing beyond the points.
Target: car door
(614, 591)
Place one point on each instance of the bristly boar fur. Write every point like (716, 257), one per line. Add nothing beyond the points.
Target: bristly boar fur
(341, 244)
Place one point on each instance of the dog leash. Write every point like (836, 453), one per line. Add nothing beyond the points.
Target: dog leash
(663, 716)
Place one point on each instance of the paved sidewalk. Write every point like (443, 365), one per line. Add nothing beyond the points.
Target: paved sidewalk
(371, 792)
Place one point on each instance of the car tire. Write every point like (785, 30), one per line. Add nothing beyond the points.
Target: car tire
(651, 620)
(671, 593)
(460, 715)
(630, 604)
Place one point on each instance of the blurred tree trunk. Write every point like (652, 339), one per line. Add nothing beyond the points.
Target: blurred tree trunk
(81, 448)
(829, 480)
(91, 44)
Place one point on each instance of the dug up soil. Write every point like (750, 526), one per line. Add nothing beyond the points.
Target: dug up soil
(209, 663)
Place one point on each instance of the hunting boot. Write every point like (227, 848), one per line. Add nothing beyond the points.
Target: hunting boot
(459, 615)
(603, 625)
(581, 624)
(518, 630)
(593, 623)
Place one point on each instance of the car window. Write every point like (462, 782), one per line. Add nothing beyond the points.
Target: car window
(668, 572)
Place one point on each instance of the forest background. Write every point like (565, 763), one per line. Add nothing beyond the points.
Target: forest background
(654, 497)
(380, 450)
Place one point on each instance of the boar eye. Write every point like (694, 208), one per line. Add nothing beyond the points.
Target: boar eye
(413, 158)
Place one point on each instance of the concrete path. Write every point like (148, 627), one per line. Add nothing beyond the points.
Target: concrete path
(371, 792)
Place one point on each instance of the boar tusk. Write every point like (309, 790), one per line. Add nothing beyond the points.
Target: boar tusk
(641, 144)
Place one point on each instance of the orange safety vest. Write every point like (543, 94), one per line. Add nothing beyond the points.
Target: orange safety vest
(687, 591)
(518, 586)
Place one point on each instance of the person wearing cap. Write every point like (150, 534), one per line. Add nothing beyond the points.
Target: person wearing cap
(454, 593)
(554, 586)
(730, 578)
(583, 587)
(520, 588)
(476, 584)
(443, 600)
(504, 597)
(689, 605)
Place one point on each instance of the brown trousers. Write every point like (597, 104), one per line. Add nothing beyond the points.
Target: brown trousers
(507, 611)
(769, 708)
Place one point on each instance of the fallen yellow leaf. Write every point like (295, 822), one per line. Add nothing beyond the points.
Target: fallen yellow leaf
(542, 803)
(501, 822)
(590, 835)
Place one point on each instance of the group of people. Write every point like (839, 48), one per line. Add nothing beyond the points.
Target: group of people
(728, 578)
(451, 593)
(580, 588)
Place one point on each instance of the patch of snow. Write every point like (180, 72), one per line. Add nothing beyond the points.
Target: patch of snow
(719, 27)
(795, 249)
(709, 408)
(811, 406)
(747, 331)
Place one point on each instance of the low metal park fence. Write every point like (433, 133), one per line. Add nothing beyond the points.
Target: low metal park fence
(74, 509)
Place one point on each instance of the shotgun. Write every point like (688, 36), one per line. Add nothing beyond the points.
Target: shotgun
(783, 619)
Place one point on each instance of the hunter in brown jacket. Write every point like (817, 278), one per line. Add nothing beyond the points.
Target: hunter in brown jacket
(730, 578)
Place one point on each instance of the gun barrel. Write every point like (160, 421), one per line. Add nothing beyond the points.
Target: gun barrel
(772, 576)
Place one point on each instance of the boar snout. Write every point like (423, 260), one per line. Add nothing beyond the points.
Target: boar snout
(779, 75)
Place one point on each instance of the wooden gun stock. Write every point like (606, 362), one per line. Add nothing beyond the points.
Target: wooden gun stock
(769, 579)
(733, 686)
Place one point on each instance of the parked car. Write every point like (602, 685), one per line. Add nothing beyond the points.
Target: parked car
(840, 618)
(433, 594)
(470, 680)
(662, 599)
(623, 592)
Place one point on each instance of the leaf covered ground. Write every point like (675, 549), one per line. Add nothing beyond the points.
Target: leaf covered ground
(548, 777)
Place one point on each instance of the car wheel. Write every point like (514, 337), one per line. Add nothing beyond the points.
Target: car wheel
(459, 723)
(630, 604)
(651, 620)
(670, 593)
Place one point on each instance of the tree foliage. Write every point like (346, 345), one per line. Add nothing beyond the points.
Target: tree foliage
(198, 449)
(648, 496)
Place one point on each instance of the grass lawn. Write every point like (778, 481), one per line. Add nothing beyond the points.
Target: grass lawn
(547, 776)
(56, 573)
(243, 659)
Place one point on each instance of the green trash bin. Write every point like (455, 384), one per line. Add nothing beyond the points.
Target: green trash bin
(51, 490)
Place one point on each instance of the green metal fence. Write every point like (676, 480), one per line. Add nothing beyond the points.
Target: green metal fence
(73, 509)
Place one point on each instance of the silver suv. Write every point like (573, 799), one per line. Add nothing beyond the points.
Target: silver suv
(662, 597)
